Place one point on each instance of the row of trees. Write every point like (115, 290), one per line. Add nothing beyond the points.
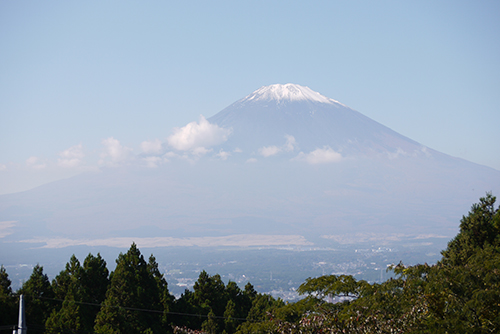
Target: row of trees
(459, 294)
(134, 298)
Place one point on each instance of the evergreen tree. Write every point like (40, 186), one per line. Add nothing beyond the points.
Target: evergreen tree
(132, 290)
(94, 282)
(166, 299)
(481, 227)
(209, 294)
(67, 287)
(185, 308)
(7, 300)
(258, 318)
(464, 287)
(79, 287)
(68, 281)
(65, 320)
(230, 323)
(39, 302)
(211, 325)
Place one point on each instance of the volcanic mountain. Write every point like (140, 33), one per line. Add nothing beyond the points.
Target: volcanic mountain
(282, 166)
(271, 114)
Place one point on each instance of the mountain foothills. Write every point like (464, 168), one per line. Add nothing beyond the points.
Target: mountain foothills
(458, 294)
(284, 166)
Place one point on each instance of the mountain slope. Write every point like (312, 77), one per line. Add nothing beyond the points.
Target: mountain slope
(270, 113)
(303, 167)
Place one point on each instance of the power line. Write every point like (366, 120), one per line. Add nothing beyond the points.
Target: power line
(151, 311)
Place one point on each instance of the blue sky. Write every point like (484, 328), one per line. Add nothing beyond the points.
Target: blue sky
(74, 74)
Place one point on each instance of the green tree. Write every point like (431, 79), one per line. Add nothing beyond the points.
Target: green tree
(185, 309)
(38, 296)
(66, 286)
(334, 286)
(132, 290)
(237, 306)
(65, 320)
(166, 299)
(209, 294)
(211, 325)
(459, 294)
(68, 280)
(81, 289)
(464, 287)
(7, 300)
(230, 323)
(481, 227)
(259, 318)
(94, 283)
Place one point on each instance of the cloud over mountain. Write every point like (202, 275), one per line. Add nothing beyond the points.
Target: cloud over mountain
(35, 163)
(197, 136)
(72, 157)
(268, 151)
(320, 156)
(114, 152)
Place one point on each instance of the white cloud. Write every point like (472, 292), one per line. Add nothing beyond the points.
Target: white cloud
(289, 146)
(251, 160)
(320, 155)
(3, 167)
(33, 162)
(268, 151)
(197, 135)
(199, 151)
(425, 151)
(115, 151)
(153, 162)
(72, 157)
(290, 143)
(399, 152)
(151, 146)
(223, 155)
(170, 155)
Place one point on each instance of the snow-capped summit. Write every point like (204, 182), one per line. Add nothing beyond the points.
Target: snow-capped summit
(288, 92)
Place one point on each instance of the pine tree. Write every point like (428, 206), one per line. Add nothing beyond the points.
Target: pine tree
(210, 294)
(38, 296)
(65, 320)
(79, 287)
(94, 281)
(230, 324)
(166, 299)
(132, 290)
(7, 300)
(210, 325)
(481, 227)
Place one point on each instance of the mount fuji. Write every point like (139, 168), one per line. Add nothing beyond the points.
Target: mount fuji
(273, 115)
(282, 166)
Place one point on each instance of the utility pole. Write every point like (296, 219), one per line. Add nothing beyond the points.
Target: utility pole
(21, 326)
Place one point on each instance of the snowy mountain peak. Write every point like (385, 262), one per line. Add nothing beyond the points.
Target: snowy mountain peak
(288, 92)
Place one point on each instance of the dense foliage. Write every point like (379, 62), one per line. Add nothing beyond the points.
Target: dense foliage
(459, 294)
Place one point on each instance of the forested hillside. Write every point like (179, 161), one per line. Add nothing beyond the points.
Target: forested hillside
(459, 294)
